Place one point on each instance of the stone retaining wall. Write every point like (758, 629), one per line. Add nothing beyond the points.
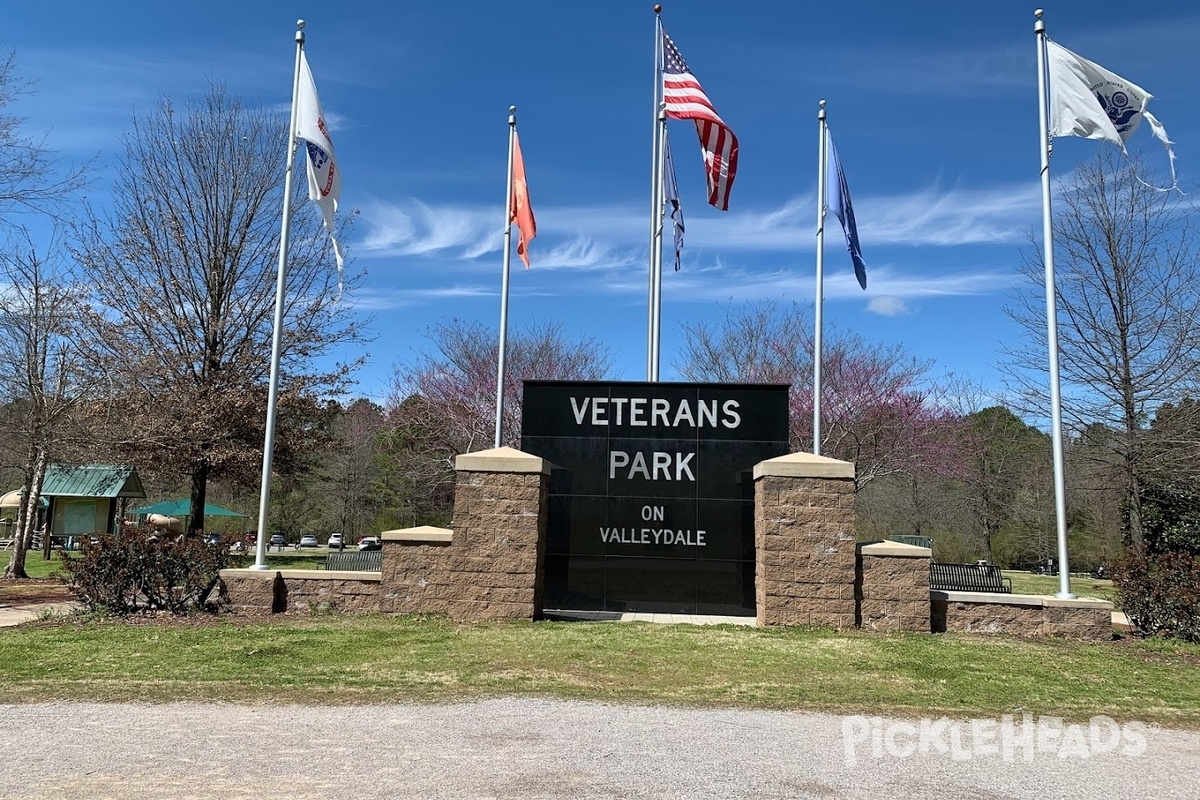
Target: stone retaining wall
(277, 591)
(1021, 615)
(330, 590)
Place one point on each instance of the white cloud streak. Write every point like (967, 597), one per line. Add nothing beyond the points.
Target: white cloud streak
(570, 236)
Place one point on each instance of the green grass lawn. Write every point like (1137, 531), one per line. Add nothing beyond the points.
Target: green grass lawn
(334, 659)
(289, 559)
(1030, 583)
(35, 565)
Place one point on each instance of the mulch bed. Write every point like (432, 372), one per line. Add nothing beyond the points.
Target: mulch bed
(32, 590)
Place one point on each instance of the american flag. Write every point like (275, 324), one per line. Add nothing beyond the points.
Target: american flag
(685, 99)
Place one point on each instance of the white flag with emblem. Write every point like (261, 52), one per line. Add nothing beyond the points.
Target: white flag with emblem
(324, 179)
(1089, 101)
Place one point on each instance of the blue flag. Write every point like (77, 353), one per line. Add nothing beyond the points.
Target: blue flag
(837, 199)
(671, 196)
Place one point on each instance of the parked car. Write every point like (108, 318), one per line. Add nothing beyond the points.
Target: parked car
(370, 543)
(335, 540)
(308, 540)
(278, 540)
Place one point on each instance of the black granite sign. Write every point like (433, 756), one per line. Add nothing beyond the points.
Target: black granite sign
(651, 493)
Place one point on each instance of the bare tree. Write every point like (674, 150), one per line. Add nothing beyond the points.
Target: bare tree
(445, 403)
(460, 378)
(880, 409)
(349, 468)
(185, 267)
(1128, 294)
(41, 370)
(32, 180)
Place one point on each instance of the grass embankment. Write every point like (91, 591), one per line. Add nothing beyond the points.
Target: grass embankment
(332, 659)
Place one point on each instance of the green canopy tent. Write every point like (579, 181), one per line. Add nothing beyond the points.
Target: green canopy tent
(182, 508)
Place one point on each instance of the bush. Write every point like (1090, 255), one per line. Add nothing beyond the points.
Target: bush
(143, 568)
(1160, 593)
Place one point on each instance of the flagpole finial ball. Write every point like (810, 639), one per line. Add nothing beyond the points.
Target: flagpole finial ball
(300, 24)
(1037, 12)
(512, 109)
(657, 8)
(822, 104)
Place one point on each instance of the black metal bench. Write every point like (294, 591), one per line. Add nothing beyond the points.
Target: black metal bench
(358, 561)
(968, 578)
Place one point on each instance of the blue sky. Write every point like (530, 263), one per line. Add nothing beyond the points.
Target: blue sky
(933, 107)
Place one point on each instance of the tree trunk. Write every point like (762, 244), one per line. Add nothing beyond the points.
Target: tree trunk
(27, 513)
(195, 524)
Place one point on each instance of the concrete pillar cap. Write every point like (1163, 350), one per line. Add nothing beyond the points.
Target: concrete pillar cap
(894, 550)
(501, 459)
(804, 465)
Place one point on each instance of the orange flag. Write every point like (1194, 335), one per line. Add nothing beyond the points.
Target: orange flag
(520, 211)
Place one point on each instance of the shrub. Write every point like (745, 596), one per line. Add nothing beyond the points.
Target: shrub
(143, 568)
(1160, 593)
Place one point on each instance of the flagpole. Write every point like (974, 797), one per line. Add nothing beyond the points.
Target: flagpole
(264, 498)
(656, 325)
(1044, 145)
(655, 211)
(508, 200)
(822, 179)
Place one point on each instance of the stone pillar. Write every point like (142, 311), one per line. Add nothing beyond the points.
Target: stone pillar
(499, 546)
(416, 575)
(804, 541)
(892, 587)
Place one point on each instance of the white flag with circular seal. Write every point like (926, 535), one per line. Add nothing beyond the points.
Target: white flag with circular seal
(324, 178)
(1087, 100)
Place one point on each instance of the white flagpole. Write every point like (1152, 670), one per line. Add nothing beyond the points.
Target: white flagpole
(657, 245)
(508, 199)
(1044, 144)
(819, 298)
(655, 211)
(264, 498)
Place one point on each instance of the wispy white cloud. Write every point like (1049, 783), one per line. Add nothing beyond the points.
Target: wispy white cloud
(888, 305)
(412, 228)
(87, 94)
(957, 216)
(889, 290)
(583, 254)
(378, 298)
(570, 236)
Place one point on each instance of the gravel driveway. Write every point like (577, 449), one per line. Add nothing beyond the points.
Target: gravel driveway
(531, 748)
